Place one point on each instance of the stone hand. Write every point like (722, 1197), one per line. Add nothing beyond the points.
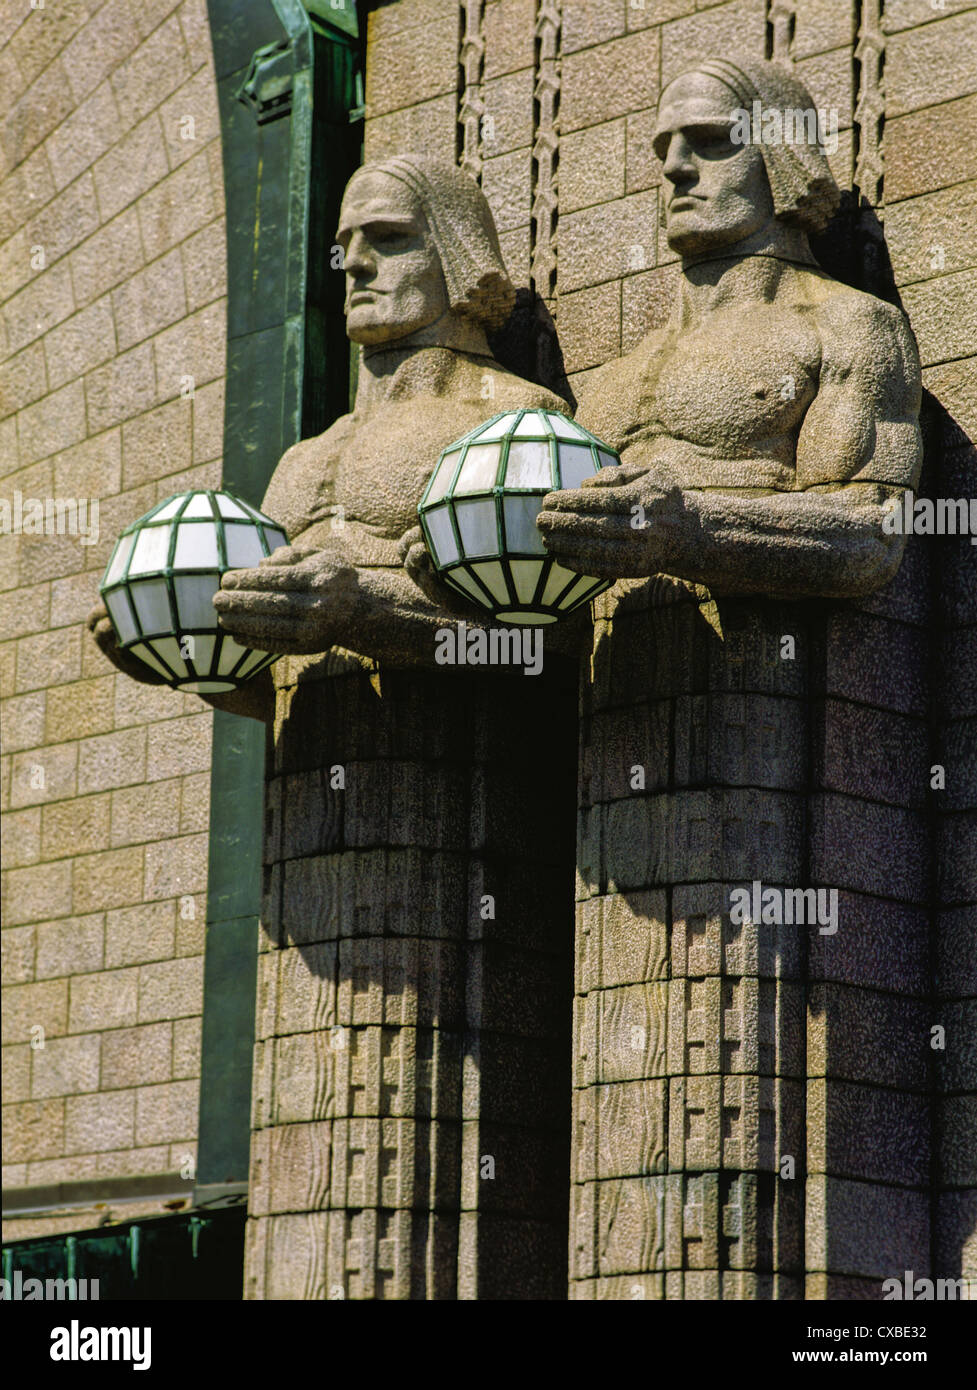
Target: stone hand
(417, 562)
(625, 522)
(100, 626)
(295, 601)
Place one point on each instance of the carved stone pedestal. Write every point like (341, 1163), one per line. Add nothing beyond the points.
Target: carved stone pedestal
(412, 1071)
(750, 1114)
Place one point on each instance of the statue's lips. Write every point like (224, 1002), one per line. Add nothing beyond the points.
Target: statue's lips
(363, 297)
(685, 198)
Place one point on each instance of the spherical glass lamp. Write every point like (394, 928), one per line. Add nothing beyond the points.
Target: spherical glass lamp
(479, 510)
(161, 580)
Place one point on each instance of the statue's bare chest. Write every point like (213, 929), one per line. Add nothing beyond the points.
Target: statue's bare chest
(733, 384)
(387, 459)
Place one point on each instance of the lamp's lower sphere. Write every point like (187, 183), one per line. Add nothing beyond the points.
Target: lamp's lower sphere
(537, 619)
(207, 687)
(161, 580)
(524, 592)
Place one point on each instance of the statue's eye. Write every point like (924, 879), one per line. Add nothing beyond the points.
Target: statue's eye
(712, 140)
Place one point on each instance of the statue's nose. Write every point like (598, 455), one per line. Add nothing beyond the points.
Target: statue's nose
(357, 260)
(677, 165)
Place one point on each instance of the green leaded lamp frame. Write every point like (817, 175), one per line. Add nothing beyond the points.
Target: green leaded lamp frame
(501, 579)
(166, 596)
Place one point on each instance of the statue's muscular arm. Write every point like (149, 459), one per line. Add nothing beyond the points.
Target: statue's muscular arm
(859, 444)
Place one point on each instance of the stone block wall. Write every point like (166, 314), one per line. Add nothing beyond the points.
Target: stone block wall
(112, 277)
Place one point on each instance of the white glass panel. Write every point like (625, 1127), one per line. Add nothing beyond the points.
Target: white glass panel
(123, 550)
(526, 619)
(493, 577)
(576, 463)
(199, 505)
(559, 579)
(203, 652)
(168, 650)
(480, 469)
(196, 546)
(121, 610)
(442, 536)
(243, 546)
(194, 599)
(529, 466)
(150, 553)
(566, 429)
(231, 653)
(171, 509)
(228, 507)
(525, 575)
(144, 653)
(500, 428)
(581, 586)
(463, 580)
(252, 511)
(477, 525)
(152, 605)
(528, 425)
(274, 538)
(207, 687)
(607, 460)
(521, 531)
(446, 471)
(253, 661)
(579, 595)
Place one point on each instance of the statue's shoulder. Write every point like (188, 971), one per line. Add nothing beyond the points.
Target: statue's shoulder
(493, 388)
(511, 392)
(841, 309)
(620, 376)
(304, 473)
(861, 332)
(317, 446)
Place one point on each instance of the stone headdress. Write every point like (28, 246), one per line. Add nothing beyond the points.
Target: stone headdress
(464, 233)
(804, 190)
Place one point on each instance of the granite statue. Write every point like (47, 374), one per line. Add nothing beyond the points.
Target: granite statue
(764, 428)
(425, 283)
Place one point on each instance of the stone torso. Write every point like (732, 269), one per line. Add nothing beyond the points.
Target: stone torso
(375, 463)
(719, 404)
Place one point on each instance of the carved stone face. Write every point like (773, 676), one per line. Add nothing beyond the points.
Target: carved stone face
(394, 281)
(716, 192)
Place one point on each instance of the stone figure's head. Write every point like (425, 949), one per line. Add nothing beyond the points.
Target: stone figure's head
(421, 250)
(741, 144)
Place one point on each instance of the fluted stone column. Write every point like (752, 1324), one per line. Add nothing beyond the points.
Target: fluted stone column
(750, 1108)
(689, 1033)
(412, 1073)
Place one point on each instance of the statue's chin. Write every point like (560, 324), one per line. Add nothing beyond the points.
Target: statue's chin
(693, 242)
(380, 334)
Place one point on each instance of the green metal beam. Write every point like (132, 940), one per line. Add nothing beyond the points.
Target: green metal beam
(287, 81)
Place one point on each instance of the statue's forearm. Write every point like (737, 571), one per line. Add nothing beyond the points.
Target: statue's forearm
(394, 620)
(796, 544)
(397, 623)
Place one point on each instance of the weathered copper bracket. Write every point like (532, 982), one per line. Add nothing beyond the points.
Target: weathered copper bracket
(267, 88)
